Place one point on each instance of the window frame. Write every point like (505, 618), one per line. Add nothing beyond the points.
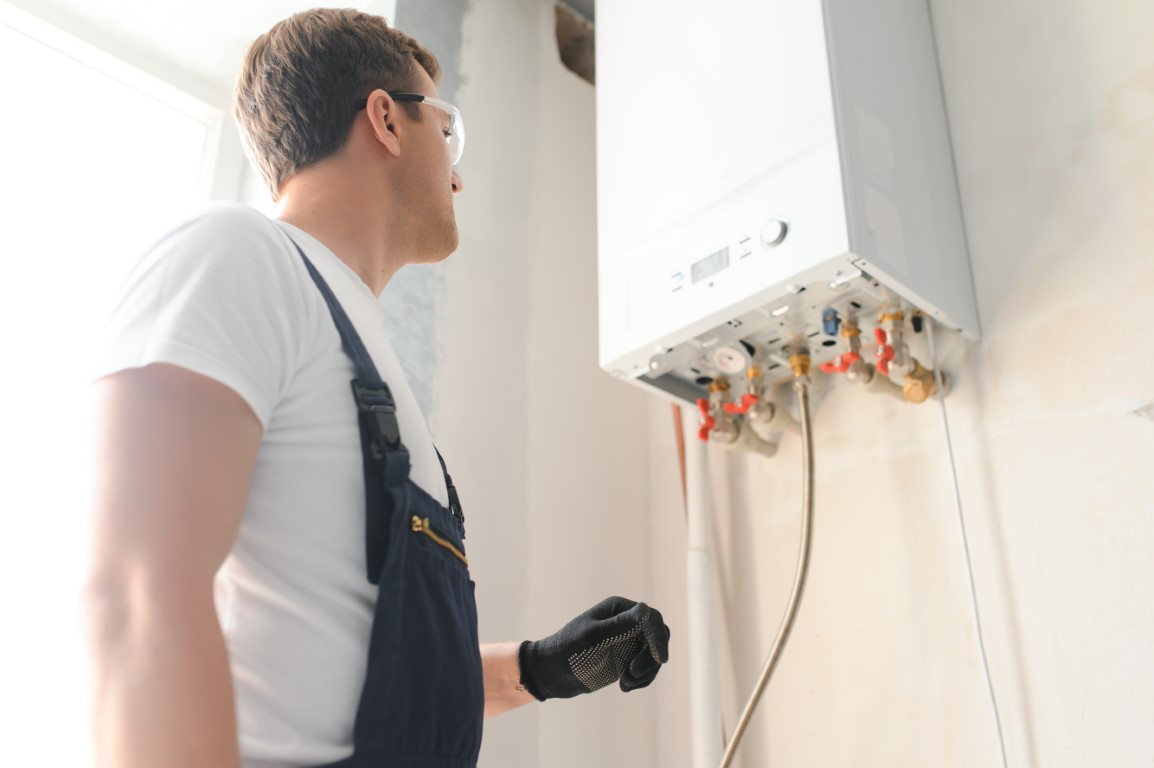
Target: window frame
(223, 162)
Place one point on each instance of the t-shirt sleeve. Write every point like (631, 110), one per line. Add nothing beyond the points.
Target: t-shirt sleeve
(220, 297)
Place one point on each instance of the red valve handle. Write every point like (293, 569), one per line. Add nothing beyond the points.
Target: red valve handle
(885, 353)
(707, 421)
(747, 400)
(841, 364)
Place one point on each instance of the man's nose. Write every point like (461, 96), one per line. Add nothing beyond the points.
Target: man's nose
(458, 182)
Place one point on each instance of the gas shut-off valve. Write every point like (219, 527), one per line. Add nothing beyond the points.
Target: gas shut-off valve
(751, 420)
(747, 414)
(891, 354)
(722, 422)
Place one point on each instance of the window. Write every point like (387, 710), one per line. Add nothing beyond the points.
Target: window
(95, 162)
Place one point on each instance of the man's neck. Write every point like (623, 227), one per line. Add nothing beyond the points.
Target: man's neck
(349, 222)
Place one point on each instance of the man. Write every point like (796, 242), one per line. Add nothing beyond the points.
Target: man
(232, 453)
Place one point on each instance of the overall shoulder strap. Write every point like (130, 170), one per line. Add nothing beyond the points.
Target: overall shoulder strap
(454, 499)
(384, 457)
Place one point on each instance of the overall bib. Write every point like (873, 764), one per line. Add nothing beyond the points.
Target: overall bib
(423, 699)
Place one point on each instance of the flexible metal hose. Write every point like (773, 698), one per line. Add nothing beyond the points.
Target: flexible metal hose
(801, 387)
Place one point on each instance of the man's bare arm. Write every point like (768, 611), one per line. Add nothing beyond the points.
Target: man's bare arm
(503, 690)
(172, 460)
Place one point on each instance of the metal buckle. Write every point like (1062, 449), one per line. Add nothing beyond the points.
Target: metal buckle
(380, 408)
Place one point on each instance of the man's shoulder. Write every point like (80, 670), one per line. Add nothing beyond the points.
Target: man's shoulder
(231, 239)
(226, 255)
(229, 224)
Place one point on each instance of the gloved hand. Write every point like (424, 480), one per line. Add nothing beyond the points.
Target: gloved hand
(615, 640)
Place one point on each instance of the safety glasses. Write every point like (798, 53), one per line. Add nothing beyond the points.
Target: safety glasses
(454, 134)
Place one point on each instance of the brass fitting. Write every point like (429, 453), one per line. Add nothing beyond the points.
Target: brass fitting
(719, 385)
(889, 317)
(920, 384)
(799, 364)
(753, 376)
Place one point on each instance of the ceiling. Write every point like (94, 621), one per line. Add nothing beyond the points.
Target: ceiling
(196, 45)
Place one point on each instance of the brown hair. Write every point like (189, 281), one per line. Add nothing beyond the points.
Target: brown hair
(296, 97)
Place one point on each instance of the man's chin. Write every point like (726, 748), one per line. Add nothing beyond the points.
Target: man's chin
(452, 242)
(443, 250)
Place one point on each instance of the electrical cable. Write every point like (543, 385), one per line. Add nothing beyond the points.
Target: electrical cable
(801, 387)
(965, 544)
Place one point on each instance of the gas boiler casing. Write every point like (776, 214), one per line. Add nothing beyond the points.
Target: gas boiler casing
(749, 151)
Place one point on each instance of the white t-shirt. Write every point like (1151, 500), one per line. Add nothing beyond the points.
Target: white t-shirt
(226, 295)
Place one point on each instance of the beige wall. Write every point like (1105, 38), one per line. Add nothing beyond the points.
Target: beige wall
(1052, 112)
(569, 478)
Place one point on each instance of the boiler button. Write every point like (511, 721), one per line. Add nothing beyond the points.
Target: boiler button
(774, 232)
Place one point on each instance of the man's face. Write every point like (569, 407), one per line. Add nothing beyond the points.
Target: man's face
(430, 180)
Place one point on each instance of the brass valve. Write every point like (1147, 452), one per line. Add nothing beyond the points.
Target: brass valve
(892, 351)
(799, 364)
(920, 383)
(892, 317)
(750, 398)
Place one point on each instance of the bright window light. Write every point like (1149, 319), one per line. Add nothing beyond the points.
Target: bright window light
(92, 169)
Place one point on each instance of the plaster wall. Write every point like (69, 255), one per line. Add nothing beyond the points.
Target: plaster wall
(1052, 114)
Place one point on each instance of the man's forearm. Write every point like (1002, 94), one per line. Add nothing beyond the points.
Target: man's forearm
(163, 689)
(503, 689)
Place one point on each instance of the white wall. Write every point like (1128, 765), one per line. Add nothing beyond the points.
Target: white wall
(570, 479)
(480, 421)
(549, 454)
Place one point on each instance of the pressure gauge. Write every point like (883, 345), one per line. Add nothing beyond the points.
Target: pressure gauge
(731, 360)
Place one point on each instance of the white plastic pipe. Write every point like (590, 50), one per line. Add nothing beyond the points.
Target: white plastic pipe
(704, 686)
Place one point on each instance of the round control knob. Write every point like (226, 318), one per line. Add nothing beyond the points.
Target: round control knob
(774, 232)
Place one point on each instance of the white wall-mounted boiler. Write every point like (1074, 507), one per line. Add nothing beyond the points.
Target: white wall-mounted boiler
(760, 163)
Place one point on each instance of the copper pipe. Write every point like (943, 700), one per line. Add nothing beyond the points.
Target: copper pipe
(679, 430)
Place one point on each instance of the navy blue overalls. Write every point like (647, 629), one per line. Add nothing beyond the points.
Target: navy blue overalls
(423, 699)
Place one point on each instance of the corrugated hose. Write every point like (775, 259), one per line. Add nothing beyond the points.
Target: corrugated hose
(801, 387)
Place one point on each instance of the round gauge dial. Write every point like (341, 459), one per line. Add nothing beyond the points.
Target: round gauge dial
(731, 360)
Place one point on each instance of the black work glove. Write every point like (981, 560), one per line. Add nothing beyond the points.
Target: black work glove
(615, 640)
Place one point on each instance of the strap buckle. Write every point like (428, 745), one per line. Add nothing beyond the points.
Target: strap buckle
(380, 411)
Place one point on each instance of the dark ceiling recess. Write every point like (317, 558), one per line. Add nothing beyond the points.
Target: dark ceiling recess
(575, 39)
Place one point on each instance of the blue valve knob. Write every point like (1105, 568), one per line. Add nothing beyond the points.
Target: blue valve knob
(830, 322)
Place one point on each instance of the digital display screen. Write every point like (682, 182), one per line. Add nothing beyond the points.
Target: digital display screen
(710, 265)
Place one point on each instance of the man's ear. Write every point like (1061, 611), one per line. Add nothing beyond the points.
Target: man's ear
(383, 112)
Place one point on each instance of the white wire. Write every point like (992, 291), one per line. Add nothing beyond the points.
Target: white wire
(965, 544)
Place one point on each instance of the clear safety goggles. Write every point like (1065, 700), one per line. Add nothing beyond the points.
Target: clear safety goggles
(454, 134)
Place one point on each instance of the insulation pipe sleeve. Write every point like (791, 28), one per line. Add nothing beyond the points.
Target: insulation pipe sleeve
(873, 380)
(769, 420)
(704, 672)
(748, 440)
